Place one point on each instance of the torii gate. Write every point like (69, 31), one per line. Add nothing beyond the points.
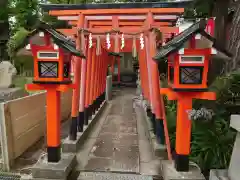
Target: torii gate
(167, 29)
(131, 20)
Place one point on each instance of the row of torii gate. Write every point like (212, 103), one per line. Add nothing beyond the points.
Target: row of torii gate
(101, 34)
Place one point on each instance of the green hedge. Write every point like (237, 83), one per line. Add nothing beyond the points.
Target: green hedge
(23, 61)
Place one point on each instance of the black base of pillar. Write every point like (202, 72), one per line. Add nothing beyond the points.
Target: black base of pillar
(80, 121)
(73, 129)
(98, 101)
(54, 154)
(149, 112)
(86, 116)
(182, 163)
(160, 131)
(94, 106)
(104, 95)
(153, 121)
(90, 113)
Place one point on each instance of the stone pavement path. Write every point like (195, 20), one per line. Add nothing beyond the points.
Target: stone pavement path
(118, 144)
(116, 148)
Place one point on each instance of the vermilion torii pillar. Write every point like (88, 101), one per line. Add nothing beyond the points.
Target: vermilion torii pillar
(88, 84)
(75, 124)
(155, 78)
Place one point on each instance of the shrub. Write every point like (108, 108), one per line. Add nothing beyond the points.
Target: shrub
(212, 143)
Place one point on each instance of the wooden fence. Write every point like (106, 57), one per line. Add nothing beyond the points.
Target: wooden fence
(22, 124)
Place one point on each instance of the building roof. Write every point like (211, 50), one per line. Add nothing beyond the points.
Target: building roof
(178, 41)
(58, 38)
(163, 4)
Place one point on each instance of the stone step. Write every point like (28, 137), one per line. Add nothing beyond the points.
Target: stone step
(111, 176)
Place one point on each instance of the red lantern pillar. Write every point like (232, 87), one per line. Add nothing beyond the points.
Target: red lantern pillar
(183, 131)
(53, 117)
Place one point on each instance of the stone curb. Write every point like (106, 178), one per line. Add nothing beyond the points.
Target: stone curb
(158, 150)
(69, 146)
(218, 174)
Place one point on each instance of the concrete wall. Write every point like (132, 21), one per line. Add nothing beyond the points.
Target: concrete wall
(23, 123)
(109, 88)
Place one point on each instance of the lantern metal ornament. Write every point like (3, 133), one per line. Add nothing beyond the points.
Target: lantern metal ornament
(90, 40)
(108, 41)
(141, 41)
(122, 41)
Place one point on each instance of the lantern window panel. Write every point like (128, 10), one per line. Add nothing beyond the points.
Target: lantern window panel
(191, 75)
(47, 55)
(48, 69)
(191, 59)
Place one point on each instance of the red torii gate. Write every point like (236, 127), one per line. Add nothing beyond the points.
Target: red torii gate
(85, 80)
(123, 26)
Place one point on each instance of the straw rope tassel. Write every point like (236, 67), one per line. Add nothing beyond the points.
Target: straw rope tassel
(134, 48)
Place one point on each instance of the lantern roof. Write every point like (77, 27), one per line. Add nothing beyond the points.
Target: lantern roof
(161, 4)
(58, 38)
(178, 41)
(114, 54)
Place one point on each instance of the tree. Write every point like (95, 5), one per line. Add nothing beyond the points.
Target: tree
(199, 9)
(212, 8)
(4, 28)
(220, 11)
(26, 13)
(234, 42)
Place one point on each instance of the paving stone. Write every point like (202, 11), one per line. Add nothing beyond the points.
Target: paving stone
(111, 127)
(110, 135)
(128, 110)
(98, 164)
(126, 159)
(103, 148)
(128, 129)
(128, 139)
(111, 176)
(115, 109)
(120, 119)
